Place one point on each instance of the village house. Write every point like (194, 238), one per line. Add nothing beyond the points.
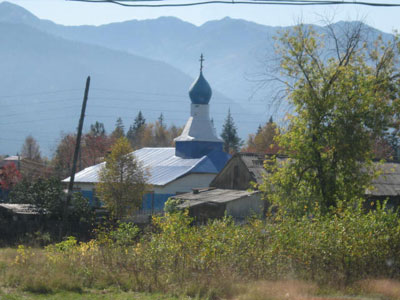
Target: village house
(233, 191)
(229, 192)
(195, 160)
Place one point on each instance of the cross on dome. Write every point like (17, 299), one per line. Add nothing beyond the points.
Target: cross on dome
(201, 62)
(200, 91)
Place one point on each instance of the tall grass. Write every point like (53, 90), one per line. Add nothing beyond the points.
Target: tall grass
(209, 260)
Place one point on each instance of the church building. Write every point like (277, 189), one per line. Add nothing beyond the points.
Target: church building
(195, 160)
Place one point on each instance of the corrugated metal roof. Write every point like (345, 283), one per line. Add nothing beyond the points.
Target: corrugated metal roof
(22, 209)
(388, 183)
(212, 196)
(89, 174)
(161, 163)
(255, 164)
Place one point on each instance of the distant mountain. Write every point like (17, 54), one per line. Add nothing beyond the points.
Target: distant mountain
(156, 58)
(42, 79)
(234, 49)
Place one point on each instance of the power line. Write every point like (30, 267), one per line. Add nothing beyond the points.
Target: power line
(39, 120)
(168, 3)
(38, 93)
(47, 110)
(215, 101)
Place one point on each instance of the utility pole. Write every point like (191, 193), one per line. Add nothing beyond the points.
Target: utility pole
(76, 152)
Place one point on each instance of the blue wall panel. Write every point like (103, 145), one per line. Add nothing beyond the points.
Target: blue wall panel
(88, 195)
(196, 149)
(156, 203)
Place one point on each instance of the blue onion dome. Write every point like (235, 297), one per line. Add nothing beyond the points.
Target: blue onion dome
(200, 91)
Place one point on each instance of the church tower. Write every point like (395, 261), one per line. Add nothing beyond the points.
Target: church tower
(198, 137)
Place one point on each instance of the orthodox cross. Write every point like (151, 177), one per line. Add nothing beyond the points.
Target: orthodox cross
(201, 62)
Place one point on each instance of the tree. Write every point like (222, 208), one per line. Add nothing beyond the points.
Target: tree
(93, 149)
(95, 145)
(174, 132)
(135, 132)
(229, 135)
(9, 176)
(119, 130)
(122, 181)
(343, 99)
(97, 129)
(264, 140)
(30, 149)
(161, 134)
(48, 195)
(62, 160)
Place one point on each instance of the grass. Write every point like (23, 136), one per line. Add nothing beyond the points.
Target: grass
(263, 290)
(301, 290)
(87, 295)
(288, 260)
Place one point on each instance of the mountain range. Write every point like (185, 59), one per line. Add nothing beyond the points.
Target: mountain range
(134, 65)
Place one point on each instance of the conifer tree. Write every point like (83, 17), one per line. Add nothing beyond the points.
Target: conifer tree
(135, 132)
(161, 135)
(119, 130)
(232, 142)
(97, 129)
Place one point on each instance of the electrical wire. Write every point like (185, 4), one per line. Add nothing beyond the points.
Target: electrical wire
(163, 3)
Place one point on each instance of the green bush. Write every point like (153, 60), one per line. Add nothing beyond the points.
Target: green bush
(176, 256)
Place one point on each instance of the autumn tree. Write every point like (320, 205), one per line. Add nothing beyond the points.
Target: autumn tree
(62, 159)
(264, 141)
(229, 135)
(122, 180)
(161, 134)
(344, 93)
(31, 149)
(95, 145)
(157, 134)
(9, 177)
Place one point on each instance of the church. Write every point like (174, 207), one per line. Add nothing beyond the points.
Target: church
(195, 160)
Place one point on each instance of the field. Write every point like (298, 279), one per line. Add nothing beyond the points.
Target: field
(278, 290)
(348, 256)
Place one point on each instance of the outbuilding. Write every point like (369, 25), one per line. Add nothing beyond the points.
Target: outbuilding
(212, 203)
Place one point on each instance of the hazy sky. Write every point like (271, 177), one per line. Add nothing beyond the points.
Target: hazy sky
(78, 13)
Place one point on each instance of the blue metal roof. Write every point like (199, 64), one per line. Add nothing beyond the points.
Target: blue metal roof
(163, 166)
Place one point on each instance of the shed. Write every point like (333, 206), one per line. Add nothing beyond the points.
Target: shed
(19, 211)
(240, 171)
(387, 185)
(214, 203)
(244, 168)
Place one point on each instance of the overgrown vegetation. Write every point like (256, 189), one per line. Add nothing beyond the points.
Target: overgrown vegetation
(48, 200)
(211, 260)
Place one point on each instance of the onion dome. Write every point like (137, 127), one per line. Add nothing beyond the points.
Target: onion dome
(200, 91)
